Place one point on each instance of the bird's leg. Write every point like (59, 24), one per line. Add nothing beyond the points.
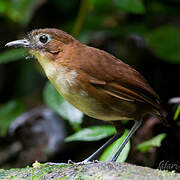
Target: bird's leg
(110, 141)
(92, 157)
(131, 132)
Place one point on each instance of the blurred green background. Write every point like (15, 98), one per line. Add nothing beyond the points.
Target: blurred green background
(142, 33)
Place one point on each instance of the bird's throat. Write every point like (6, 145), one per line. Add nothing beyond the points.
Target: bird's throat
(60, 76)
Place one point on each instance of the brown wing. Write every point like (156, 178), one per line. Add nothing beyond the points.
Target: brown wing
(117, 78)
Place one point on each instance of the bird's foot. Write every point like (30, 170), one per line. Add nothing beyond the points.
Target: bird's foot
(54, 164)
(82, 162)
(72, 162)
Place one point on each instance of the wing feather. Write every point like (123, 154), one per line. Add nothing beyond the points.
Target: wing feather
(117, 78)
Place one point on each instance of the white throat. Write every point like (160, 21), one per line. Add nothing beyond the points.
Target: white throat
(61, 77)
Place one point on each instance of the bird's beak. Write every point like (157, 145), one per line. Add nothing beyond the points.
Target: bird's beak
(23, 43)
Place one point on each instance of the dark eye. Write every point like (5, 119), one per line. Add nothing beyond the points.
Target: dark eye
(43, 39)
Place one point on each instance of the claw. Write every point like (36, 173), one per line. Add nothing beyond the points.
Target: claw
(82, 162)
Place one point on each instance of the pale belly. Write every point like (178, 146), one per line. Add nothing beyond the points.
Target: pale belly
(64, 80)
(90, 106)
(86, 104)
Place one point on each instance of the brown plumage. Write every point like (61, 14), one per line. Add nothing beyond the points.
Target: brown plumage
(93, 80)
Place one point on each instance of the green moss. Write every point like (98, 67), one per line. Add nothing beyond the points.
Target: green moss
(96, 171)
(64, 178)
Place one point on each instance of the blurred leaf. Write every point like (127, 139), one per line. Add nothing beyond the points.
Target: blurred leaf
(101, 5)
(2, 6)
(132, 6)
(158, 7)
(56, 102)
(8, 113)
(176, 114)
(19, 10)
(164, 42)
(68, 111)
(51, 97)
(111, 150)
(93, 133)
(125, 152)
(12, 55)
(154, 142)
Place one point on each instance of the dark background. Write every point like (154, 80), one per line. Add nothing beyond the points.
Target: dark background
(144, 34)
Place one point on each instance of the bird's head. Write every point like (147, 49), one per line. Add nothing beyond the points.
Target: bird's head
(44, 42)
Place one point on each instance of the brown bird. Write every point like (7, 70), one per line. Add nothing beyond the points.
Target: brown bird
(94, 81)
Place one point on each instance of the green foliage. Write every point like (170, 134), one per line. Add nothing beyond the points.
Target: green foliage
(101, 5)
(8, 113)
(93, 133)
(56, 102)
(110, 150)
(132, 6)
(176, 114)
(164, 42)
(52, 98)
(12, 55)
(18, 11)
(154, 142)
(2, 6)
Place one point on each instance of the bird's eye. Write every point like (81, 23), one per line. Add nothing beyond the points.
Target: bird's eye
(43, 39)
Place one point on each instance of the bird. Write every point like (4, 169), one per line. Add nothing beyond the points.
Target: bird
(94, 81)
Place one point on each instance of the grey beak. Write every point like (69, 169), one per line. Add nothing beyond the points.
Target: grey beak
(24, 43)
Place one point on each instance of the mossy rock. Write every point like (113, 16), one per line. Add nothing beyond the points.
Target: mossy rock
(92, 171)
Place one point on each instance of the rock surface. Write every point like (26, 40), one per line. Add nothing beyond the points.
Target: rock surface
(92, 171)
